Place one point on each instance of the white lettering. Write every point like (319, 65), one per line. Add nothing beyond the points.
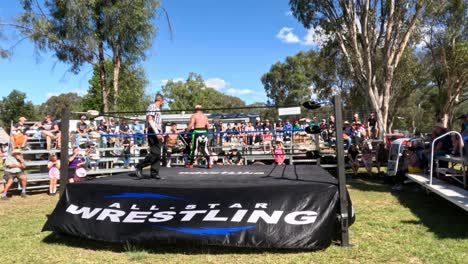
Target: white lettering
(85, 212)
(236, 205)
(162, 217)
(115, 205)
(239, 215)
(261, 205)
(213, 206)
(190, 214)
(113, 215)
(154, 208)
(190, 207)
(212, 216)
(305, 217)
(134, 207)
(136, 217)
(269, 219)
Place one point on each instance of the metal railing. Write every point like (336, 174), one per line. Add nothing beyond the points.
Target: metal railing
(431, 173)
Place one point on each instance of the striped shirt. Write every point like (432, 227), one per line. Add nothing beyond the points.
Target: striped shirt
(155, 112)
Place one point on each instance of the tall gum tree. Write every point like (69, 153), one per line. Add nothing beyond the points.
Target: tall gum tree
(372, 36)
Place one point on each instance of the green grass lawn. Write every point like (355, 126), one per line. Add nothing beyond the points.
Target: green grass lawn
(405, 227)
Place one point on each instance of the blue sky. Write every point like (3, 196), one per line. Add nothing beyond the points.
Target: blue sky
(230, 43)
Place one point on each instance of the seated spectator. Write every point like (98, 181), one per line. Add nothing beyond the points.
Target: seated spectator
(372, 127)
(250, 133)
(92, 154)
(324, 129)
(20, 138)
(367, 158)
(218, 127)
(138, 131)
(81, 131)
(353, 153)
(258, 130)
(54, 174)
(266, 139)
(228, 134)
(124, 128)
(242, 133)
(113, 130)
(347, 135)
(235, 158)
(356, 119)
(76, 161)
(50, 131)
(444, 145)
(457, 146)
(14, 168)
(93, 130)
(103, 130)
(296, 126)
(126, 152)
(278, 152)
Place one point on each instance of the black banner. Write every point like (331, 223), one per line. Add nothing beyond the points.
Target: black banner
(289, 216)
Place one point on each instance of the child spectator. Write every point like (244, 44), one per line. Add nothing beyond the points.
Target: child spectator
(75, 162)
(126, 152)
(235, 158)
(54, 174)
(353, 153)
(20, 138)
(367, 158)
(278, 152)
(266, 138)
(92, 154)
(372, 129)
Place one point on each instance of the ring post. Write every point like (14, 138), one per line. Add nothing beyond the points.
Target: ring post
(64, 131)
(341, 172)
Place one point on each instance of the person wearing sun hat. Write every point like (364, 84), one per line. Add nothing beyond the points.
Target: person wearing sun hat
(14, 168)
(278, 152)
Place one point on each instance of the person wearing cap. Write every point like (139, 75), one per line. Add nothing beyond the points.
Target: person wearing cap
(155, 140)
(443, 145)
(198, 126)
(235, 158)
(50, 131)
(20, 138)
(278, 152)
(14, 168)
(82, 130)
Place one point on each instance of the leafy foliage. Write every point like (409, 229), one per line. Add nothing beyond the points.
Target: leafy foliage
(55, 104)
(14, 106)
(186, 95)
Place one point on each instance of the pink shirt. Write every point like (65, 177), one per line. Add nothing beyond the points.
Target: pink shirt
(279, 155)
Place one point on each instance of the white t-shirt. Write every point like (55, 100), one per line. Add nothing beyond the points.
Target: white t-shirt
(10, 160)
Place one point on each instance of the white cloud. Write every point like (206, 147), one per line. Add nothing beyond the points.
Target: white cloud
(288, 13)
(216, 83)
(240, 92)
(286, 35)
(315, 37)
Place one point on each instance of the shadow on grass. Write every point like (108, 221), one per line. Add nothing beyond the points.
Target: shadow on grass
(440, 216)
(156, 247)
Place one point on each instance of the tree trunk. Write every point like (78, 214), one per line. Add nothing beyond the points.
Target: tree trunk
(117, 65)
(103, 78)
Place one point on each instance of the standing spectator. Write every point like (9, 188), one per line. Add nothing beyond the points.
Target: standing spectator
(92, 154)
(367, 158)
(75, 162)
(50, 131)
(279, 128)
(218, 127)
(288, 130)
(372, 127)
(14, 169)
(171, 145)
(250, 133)
(235, 158)
(381, 156)
(278, 152)
(103, 130)
(258, 130)
(126, 152)
(353, 153)
(267, 138)
(81, 131)
(20, 138)
(138, 133)
(54, 174)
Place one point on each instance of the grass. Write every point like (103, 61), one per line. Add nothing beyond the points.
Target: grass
(405, 227)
